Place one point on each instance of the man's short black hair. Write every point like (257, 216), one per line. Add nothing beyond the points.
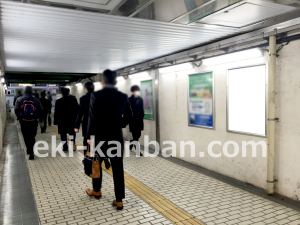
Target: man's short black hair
(110, 77)
(28, 90)
(19, 92)
(36, 95)
(89, 86)
(43, 94)
(134, 88)
(65, 92)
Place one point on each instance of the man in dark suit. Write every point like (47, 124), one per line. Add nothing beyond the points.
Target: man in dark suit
(83, 116)
(47, 110)
(109, 113)
(17, 96)
(136, 125)
(65, 114)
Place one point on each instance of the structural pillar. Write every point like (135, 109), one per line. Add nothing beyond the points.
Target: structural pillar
(271, 115)
(156, 94)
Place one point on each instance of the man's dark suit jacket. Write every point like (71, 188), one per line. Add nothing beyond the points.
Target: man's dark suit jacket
(109, 112)
(66, 109)
(83, 113)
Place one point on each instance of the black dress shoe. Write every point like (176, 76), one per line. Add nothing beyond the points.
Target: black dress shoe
(31, 157)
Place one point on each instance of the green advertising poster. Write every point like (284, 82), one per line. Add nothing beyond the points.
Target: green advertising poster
(201, 100)
(147, 96)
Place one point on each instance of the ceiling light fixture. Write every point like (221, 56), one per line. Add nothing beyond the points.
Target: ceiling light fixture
(180, 67)
(120, 78)
(139, 75)
(231, 57)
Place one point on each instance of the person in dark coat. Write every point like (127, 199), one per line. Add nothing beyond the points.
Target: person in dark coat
(49, 97)
(83, 116)
(28, 110)
(36, 95)
(109, 112)
(65, 114)
(136, 125)
(47, 110)
(17, 96)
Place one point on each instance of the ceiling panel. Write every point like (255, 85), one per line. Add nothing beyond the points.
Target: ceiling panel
(235, 16)
(48, 39)
(95, 4)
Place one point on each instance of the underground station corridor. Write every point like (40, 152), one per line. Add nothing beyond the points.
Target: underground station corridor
(150, 112)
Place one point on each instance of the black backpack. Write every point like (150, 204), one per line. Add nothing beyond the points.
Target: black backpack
(28, 111)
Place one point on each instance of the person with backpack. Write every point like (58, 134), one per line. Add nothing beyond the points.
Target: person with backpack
(28, 110)
(65, 115)
(47, 110)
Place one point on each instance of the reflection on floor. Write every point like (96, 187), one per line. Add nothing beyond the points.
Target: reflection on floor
(17, 199)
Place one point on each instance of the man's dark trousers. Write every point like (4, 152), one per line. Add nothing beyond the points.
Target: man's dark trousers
(85, 144)
(45, 117)
(118, 176)
(29, 130)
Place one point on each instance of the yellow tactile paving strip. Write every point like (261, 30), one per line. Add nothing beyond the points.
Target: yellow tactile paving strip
(158, 202)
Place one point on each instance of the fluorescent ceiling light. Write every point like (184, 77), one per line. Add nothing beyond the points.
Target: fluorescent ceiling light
(78, 84)
(180, 67)
(237, 56)
(139, 75)
(120, 78)
(97, 83)
(2, 80)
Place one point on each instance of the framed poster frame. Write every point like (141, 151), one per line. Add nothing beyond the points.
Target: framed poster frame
(213, 100)
(266, 100)
(152, 99)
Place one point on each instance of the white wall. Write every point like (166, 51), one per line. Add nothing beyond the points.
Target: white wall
(174, 126)
(173, 117)
(2, 115)
(287, 146)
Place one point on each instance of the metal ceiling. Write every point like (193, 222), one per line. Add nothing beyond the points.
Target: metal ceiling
(40, 38)
(47, 39)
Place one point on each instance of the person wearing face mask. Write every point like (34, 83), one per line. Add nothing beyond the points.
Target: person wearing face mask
(136, 125)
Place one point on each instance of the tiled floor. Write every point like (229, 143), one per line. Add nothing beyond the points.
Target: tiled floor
(59, 187)
(59, 184)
